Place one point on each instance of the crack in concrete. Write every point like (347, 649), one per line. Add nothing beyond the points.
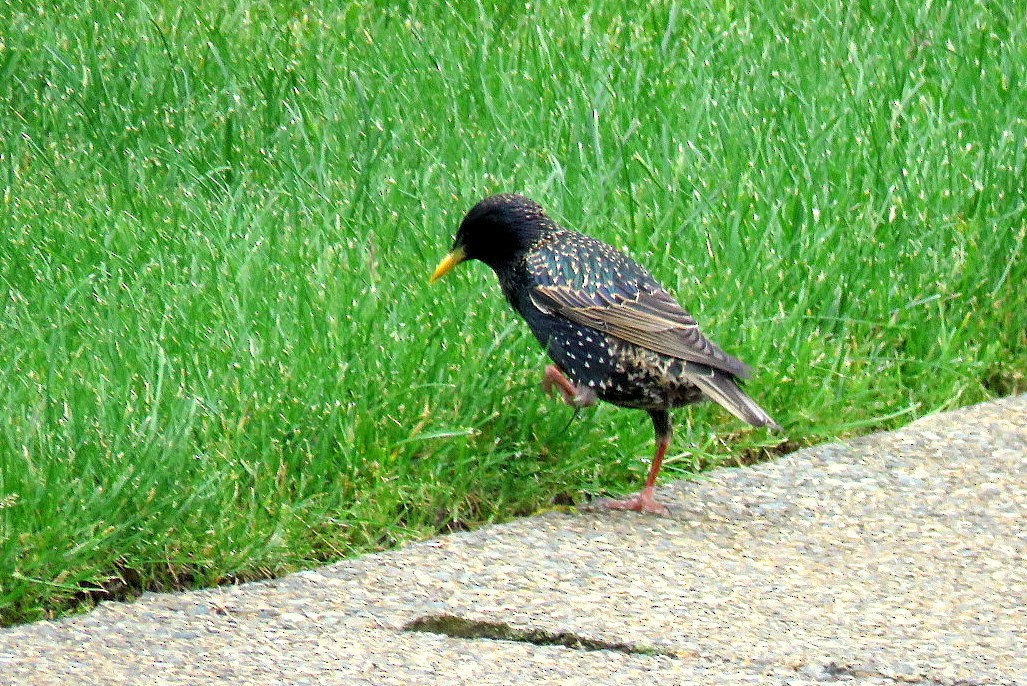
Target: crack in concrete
(473, 629)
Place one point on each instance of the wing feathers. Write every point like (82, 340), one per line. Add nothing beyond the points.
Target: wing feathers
(651, 319)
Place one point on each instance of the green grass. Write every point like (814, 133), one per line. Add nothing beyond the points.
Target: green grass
(219, 359)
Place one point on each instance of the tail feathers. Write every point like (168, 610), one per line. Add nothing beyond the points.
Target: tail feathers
(722, 388)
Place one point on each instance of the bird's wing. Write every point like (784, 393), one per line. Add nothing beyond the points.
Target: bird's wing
(639, 312)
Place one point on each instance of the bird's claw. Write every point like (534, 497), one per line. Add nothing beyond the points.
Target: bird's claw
(585, 397)
(575, 396)
(643, 501)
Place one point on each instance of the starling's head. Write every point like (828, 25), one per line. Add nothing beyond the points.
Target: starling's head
(496, 231)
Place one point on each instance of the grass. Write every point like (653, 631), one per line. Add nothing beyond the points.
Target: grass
(219, 359)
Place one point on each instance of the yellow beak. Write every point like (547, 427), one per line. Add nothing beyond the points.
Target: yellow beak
(448, 262)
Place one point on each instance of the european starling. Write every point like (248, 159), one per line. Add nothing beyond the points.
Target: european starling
(614, 333)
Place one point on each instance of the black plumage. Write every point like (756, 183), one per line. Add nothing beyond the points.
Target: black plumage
(614, 333)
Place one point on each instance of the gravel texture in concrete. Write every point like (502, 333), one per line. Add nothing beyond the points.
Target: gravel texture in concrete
(895, 558)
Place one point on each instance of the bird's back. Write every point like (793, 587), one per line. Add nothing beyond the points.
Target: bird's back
(595, 285)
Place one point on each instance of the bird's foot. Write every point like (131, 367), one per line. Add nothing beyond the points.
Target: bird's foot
(644, 501)
(575, 396)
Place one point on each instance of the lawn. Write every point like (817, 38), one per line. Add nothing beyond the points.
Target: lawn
(219, 356)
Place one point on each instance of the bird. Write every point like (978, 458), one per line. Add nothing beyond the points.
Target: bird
(612, 331)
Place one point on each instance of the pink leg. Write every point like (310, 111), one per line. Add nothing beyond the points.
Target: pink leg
(645, 500)
(575, 396)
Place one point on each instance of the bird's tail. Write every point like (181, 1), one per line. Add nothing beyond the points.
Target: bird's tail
(722, 388)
